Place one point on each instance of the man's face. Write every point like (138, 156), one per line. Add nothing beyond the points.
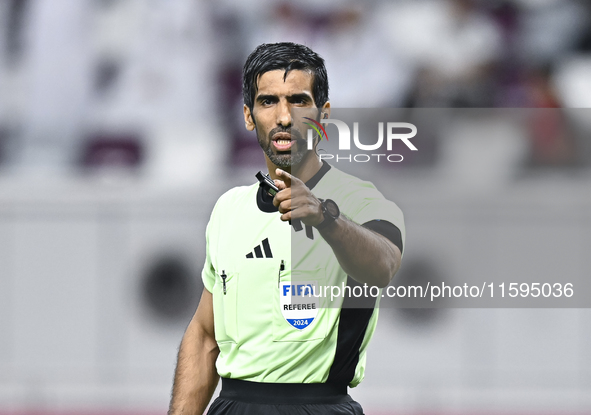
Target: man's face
(280, 139)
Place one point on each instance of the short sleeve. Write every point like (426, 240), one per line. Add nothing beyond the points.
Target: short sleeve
(211, 234)
(371, 206)
(208, 273)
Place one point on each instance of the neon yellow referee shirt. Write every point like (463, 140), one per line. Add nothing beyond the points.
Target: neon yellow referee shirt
(255, 263)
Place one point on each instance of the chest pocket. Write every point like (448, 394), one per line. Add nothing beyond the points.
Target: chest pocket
(292, 319)
(225, 299)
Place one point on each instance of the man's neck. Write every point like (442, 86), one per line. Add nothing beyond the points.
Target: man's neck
(303, 171)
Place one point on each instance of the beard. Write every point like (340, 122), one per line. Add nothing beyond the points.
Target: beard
(283, 159)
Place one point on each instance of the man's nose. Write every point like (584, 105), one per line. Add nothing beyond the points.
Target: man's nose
(284, 114)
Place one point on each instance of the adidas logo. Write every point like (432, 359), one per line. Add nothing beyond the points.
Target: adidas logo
(258, 253)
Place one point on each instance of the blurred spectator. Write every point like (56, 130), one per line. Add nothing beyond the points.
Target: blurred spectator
(573, 81)
(549, 29)
(541, 90)
(364, 70)
(285, 22)
(454, 47)
(13, 19)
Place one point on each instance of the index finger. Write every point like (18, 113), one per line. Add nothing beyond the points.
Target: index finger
(285, 176)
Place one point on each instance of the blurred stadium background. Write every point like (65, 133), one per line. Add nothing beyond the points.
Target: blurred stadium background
(120, 125)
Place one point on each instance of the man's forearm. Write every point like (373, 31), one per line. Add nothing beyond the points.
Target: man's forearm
(363, 254)
(195, 378)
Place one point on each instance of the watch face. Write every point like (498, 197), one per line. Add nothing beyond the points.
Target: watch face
(332, 208)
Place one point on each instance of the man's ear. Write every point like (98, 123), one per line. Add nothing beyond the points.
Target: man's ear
(248, 120)
(325, 110)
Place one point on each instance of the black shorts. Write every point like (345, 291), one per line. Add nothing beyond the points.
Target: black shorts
(240, 397)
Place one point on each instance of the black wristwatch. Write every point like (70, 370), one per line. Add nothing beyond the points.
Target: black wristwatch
(330, 211)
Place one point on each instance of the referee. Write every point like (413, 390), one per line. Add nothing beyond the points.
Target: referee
(276, 352)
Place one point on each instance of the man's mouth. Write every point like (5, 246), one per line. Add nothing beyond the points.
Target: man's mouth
(282, 141)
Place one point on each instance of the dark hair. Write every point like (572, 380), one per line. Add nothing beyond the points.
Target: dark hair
(287, 56)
